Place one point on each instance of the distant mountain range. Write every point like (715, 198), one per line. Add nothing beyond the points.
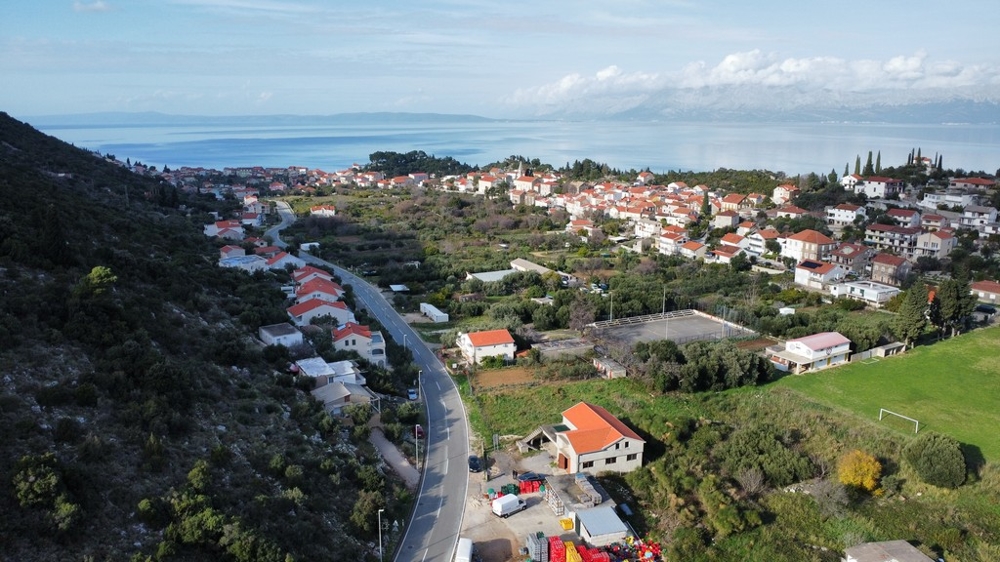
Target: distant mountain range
(710, 106)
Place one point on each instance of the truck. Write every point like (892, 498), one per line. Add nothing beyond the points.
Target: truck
(463, 552)
(507, 505)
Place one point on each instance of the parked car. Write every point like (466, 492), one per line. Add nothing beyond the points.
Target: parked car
(530, 477)
(475, 464)
(412, 394)
(419, 430)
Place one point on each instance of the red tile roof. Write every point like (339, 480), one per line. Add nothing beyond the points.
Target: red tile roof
(986, 286)
(889, 259)
(351, 329)
(596, 428)
(312, 304)
(812, 237)
(320, 285)
(491, 337)
(308, 270)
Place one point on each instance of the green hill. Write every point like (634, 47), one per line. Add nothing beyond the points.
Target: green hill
(140, 420)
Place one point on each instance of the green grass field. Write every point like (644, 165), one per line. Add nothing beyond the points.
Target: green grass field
(951, 387)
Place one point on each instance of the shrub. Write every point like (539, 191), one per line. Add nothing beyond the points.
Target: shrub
(860, 470)
(937, 459)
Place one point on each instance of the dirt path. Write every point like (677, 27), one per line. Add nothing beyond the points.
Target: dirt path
(395, 459)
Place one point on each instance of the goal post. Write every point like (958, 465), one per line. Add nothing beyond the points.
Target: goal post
(882, 412)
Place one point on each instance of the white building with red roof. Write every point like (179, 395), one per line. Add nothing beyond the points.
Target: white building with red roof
(693, 250)
(904, 217)
(972, 183)
(808, 245)
(844, 214)
(308, 273)
(878, 187)
(323, 211)
(281, 260)
(318, 288)
(986, 291)
(724, 254)
(817, 274)
(784, 194)
(361, 340)
(818, 351)
(591, 440)
(302, 314)
(231, 251)
(476, 346)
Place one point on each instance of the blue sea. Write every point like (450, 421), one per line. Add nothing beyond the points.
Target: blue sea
(660, 146)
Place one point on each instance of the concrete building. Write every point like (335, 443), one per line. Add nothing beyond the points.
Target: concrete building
(477, 346)
(591, 440)
(872, 294)
(808, 245)
(280, 334)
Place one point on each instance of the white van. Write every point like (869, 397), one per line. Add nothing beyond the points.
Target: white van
(463, 552)
(508, 505)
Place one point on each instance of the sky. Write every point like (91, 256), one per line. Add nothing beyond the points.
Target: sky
(496, 59)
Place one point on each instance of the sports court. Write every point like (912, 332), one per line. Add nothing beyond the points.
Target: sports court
(679, 326)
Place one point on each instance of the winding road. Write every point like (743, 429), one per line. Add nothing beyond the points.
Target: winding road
(432, 532)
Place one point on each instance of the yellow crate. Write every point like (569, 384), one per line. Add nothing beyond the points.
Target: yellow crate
(567, 524)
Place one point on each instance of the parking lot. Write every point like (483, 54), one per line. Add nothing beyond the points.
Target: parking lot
(497, 539)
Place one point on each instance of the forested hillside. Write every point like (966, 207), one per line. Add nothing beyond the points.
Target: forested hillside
(140, 420)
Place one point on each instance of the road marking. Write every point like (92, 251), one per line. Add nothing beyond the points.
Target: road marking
(437, 384)
(424, 557)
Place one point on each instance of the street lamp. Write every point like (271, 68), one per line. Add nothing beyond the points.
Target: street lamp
(380, 535)
(404, 341)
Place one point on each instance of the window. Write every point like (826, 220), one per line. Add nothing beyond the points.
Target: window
(626, 444)
(612, 460)
(617, 446)
(588, 464)
(631, 457)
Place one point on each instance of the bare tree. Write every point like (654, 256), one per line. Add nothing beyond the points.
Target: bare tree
(752, 480)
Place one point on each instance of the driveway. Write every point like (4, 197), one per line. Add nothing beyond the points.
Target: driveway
(395, 459)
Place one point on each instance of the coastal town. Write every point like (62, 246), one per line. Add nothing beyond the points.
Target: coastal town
(867, 251)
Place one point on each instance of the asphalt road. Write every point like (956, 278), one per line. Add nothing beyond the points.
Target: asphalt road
(433, 531)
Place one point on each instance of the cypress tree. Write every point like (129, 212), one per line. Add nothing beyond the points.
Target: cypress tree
(857, 165)
(878, 163)
(869, 169)
(845, 169)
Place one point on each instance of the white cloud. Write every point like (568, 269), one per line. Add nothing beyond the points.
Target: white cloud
(762, 76)
(98, 6)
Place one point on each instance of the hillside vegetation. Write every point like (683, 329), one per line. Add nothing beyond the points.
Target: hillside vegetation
(140, 420)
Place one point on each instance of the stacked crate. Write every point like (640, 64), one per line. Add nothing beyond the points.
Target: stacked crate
(572, 554)
(557, 550)
(538, 547)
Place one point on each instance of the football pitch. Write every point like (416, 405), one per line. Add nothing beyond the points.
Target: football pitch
(952, 387)
(680, 326)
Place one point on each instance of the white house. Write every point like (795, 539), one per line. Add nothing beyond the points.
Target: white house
(904, 217)
(282, 260)
(323, 211)
(937, 244)
(280, 334)
(986, 291)
(594, 441)
(976, 216)
(817, 274)
(784, 194)
(318, 288)
(817, 351)
(844, 214)
(335, 396)
(947, 199)
(477, 346)
(303, 313)
(308, 273)
(877, 187)
(757, 241)
(724, 254)
(360, 339)
(693, 250)
(869, 292)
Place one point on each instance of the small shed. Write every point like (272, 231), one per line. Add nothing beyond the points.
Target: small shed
(399, 288)
(600, 526)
